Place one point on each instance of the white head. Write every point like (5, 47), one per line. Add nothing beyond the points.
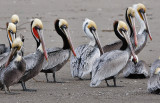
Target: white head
(15, 19)
(90, 30)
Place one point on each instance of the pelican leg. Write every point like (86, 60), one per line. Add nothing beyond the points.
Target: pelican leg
(54, 77)
(47, 77)
(90, 75)
(107, 83)
(114, 80)
(25, 89)
(7, 90)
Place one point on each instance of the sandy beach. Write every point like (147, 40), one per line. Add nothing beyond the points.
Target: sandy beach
(104, 13)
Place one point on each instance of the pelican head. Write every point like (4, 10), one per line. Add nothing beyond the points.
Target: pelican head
(130, 18)
(16, 46)
(37, 32)
(15, 19)
(90, 30)
(140, 11)
(11, 32)
(61, 26)
(121, 31)
(157, 71)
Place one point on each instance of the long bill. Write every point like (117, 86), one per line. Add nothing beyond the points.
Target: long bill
(130, 46)
(13, 51)
(43, 44)
(147, 27)
(69, 41)
(134, 31)
(98, 42)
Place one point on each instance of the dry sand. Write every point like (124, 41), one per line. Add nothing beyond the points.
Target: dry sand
(103, 12)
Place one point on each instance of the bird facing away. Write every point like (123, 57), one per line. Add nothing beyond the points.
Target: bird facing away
(86, 54)
(14, 68)
(110, 64)
(154, 82)
(34, 61)
(58, 57)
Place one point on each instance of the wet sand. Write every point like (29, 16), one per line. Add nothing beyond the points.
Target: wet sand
(104, 13)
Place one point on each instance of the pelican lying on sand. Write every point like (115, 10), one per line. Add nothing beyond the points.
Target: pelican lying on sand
(154, 80)
(86, 54)
(110, 64)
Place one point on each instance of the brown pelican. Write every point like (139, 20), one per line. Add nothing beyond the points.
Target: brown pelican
(140, 14)
(154, 82)
(34, 61)
(135, 69)
(110, 64)
(15, 67)
(138, 70)
(10, 36)
(130, 19)
(86, 54)
(58, 57)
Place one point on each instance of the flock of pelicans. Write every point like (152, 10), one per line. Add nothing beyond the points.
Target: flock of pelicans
(102, 63)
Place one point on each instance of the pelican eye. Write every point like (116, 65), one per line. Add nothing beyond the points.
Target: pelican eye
(37, 27)
(92, 29)
(122, 30)
(11, 31)
(141, 10)
(64, 26)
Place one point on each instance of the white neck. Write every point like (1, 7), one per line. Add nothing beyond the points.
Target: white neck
(92, 42)
(142, 24)
(40, 48)
(18, 57)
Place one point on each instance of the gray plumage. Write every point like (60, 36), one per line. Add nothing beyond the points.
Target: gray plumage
(108, 66)
(83, 62)
(3, 59)
(57, 58)
(12, 73)
(154, 80)
(135, 71)
(141, 38)
(34, 63)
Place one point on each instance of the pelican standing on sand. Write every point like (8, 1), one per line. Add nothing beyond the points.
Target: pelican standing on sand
(15, 67)
(34, 61)
(138, 70)
(58, 57)
(86, 54)
(154, 80)
(110, 64)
